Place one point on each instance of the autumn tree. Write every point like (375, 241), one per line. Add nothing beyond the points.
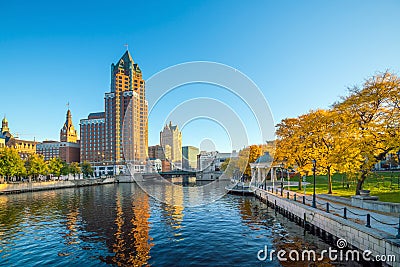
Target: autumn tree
(291, 147)
(371, 113)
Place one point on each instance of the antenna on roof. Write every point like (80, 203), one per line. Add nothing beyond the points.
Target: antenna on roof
(126, 45)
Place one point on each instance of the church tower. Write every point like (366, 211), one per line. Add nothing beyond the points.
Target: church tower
(4, 125)
(68, 132)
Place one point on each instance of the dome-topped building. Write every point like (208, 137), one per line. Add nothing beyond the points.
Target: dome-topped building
(5, 131)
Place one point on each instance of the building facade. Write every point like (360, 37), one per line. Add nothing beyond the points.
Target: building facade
(23, 147)
(2, 142)
(70, 152)
(119, 135)
(67, 149)
(49, 149)
(126, 113)
(189, 157)
(158, 152)
(92, 138)
(171, 136)
(68, 132)
(209, 164)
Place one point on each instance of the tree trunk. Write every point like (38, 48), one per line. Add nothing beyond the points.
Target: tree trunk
(329, 181)
(360, 182)
(300, 181)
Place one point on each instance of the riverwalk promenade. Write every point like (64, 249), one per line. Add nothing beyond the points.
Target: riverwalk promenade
(15, 188)
(362, 229)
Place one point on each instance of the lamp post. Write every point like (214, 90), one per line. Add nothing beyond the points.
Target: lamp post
(282, 179)
(314, 202)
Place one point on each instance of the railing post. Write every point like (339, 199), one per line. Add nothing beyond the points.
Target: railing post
(304, 200)
(294, 197)
(345, 213)
(368, 221)
(398, 230)
(287, 195)
(327, 207)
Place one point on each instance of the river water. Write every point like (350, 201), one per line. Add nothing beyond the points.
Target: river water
(119, 224)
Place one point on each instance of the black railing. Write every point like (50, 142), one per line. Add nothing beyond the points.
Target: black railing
(329, 207)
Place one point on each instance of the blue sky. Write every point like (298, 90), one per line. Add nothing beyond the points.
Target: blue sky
(301, 54)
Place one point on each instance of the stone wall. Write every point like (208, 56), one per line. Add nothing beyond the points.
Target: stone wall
(38, 186)
(357, 235)
(376, 205)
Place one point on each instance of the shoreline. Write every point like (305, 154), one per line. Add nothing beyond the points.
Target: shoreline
(8, 189)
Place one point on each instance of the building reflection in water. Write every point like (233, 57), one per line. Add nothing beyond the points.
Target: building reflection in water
(132, 242)
(173, 212)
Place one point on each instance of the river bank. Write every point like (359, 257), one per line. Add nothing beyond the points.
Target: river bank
(16, 188)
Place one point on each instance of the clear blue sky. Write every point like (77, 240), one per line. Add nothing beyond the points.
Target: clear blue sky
(302, 54)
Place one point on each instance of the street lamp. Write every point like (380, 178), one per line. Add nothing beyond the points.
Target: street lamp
(314, 202)
(282, 179)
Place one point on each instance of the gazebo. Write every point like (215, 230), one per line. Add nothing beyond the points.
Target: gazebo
(260, 169)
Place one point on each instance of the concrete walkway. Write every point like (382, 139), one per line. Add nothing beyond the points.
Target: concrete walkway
(381, 222)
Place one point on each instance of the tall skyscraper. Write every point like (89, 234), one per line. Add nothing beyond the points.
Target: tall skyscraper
(120, 133)
(171, 136)
(127, 86)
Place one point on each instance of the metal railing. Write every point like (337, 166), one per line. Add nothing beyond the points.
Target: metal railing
(329, 207)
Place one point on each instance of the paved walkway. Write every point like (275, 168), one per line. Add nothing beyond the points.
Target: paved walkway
(386, 223)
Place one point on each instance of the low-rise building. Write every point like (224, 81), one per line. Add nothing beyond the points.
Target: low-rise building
(23, 147)
(209, 164)
(49, 149)
(189, 157)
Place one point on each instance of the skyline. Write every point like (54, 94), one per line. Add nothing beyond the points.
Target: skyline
(321, 47)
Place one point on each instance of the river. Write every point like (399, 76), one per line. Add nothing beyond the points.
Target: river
(119, 224)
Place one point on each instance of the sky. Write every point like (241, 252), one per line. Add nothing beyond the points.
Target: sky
(301, 54)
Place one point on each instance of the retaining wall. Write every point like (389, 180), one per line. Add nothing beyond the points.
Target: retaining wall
(357, 235)
(38, 186)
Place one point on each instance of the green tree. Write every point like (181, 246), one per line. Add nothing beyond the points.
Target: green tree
(64, 169)
(87, 169)
(54, 166)
(11, 163)
(35, 166)
(74, 168)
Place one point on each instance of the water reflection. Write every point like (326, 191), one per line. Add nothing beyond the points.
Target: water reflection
(120, 225)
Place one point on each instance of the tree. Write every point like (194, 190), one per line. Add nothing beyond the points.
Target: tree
(64, 169)
(74, 168)
(11, 163)
(35, 166)
(87, 169)
(291, 147)
(371, 115)
(54, 166)
(246, 156)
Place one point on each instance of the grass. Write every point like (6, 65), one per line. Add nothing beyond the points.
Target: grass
(385, 185)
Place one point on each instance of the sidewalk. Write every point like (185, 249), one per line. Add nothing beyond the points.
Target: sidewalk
(386, 223)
